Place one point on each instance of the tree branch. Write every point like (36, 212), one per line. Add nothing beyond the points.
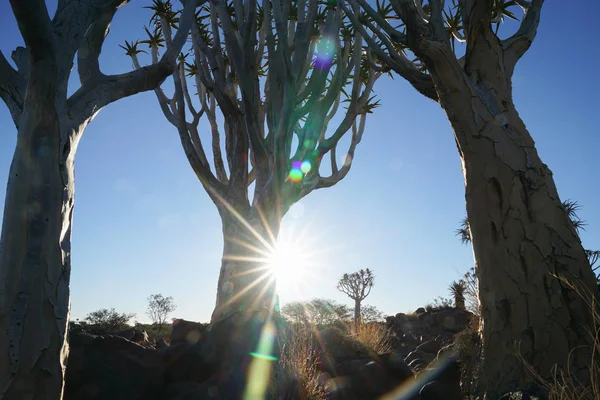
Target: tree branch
(99, 92)
(397, 61)
(88, 66)
(202, 170)
(476, 17)
(12, 89)
(35, 26)
(517, 45)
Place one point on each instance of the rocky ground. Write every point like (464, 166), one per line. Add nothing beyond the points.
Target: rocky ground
(127, 366)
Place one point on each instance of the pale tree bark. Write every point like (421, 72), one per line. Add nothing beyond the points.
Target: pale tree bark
(35, 246)
(522, 237)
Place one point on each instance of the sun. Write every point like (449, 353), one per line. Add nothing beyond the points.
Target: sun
(289, 262)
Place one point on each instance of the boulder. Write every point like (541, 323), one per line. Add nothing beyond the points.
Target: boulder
(438, 391)
(419, 310)
(134, 335)
(112, 368)
(395, 366)
(186, 362)
(453, 320)
(431, 347)
(187, 331)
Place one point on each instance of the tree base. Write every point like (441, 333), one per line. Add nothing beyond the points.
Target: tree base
(245, 349)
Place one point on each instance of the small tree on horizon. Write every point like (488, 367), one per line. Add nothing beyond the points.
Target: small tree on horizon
(109, 320)
(159, 308)
(357, 286)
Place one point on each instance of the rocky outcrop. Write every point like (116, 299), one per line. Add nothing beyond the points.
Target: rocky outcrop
(112, 368)
(187, 331)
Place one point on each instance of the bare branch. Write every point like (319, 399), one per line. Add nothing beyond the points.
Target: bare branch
(98, 93)
(476, 18)
(216, 140)
(200, 167)
(35, 26)
(517, 45)
(12, 89)
(397, 61)
(88, 54)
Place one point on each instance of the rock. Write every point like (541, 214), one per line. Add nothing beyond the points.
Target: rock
(112, 368)
(135, 335)
(371, 381)
(453, 320)
(187, 331)
(337, 347)
(185, 362)
(395, 366)
(160, 343)
(347, 367)
(419, 310)
(183, 391)
(438, 391)
(518, 396)
(419, 355)
(431, 347)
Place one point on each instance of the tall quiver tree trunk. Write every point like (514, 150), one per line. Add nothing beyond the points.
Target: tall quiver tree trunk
(246, 283)
(522, 237)
(35, 244)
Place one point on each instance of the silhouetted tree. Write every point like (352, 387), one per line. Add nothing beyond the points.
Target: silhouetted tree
(159, 308)
(357, 286)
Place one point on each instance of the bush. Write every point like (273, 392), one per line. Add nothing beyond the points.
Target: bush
(108, 320)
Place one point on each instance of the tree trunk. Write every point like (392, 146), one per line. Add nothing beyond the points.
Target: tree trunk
(356, 314)
(242, 337)
(246, 284)
(35, 251)
(521, 237)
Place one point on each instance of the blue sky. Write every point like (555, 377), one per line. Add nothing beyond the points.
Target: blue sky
(144, 225)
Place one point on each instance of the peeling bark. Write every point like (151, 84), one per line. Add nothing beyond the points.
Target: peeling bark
(522, 236)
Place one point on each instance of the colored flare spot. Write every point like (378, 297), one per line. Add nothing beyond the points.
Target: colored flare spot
(296, 175)
(324, 52)
(305, 167)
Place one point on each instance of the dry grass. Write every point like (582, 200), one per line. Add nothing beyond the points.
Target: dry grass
(298, 369)
(564, 386)
(375, 336)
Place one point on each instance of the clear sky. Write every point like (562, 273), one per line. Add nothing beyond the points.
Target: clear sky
(144, 225)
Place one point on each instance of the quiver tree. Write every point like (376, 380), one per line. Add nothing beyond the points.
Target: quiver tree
(268, 77)
(357, 286)
(520, 231)
(35, 246)
(457, 290)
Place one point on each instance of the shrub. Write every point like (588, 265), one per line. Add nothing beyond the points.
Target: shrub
(376, 336)
(108, 320)
(298, 373)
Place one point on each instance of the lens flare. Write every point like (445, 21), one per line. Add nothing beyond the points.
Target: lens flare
(261, 367)
(305, 167)
(324, 52)
(296, 175)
